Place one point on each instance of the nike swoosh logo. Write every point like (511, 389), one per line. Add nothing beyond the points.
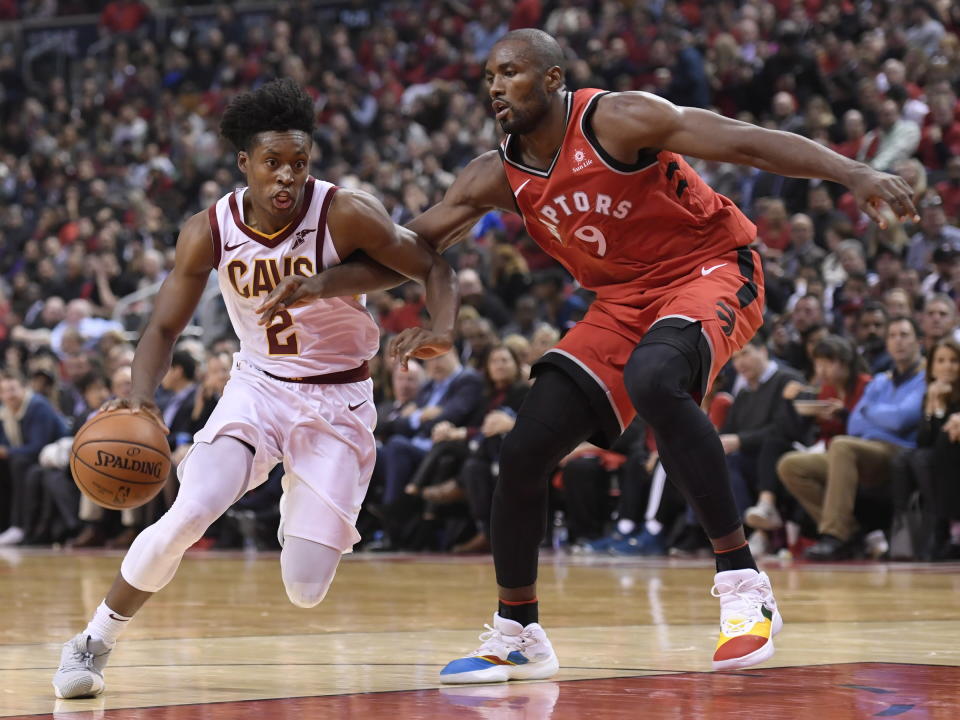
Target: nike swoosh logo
(234, 247)
(120, 619)
(354, 407)
(516, 193)
(707, 271)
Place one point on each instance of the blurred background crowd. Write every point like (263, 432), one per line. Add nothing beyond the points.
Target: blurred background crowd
(840, 421)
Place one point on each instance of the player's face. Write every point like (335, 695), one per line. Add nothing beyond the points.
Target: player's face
(277, 166)
(518, 88)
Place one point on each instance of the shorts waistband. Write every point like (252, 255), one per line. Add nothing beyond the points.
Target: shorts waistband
(342, 377)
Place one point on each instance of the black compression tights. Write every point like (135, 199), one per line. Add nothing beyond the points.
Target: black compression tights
(555, 417)
(659, 376)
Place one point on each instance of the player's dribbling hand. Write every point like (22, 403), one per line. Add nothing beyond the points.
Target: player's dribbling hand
(418, 343)
(293, 291)
(147, 407)
(873, 189)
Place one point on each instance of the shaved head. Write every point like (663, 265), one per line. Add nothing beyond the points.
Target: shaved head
(541, 49)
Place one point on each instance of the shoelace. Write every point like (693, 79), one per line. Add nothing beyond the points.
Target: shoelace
(741, 613)
(494, 642)
(82, 660)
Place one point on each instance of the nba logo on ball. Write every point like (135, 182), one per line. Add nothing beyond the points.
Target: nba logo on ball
(120, 459)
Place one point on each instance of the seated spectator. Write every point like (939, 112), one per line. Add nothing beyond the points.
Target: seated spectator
(931, 469)
(544, 338)
(452, 394)
(79, 318)
(882, 424)
(871, 329)
(506, 389)
(27, 423)
(933, 232)
(487, 304)
(752, 417)
(937, 321)
(809, 420)
(405, 386)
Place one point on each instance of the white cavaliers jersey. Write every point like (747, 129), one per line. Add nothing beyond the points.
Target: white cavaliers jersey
(326, 336)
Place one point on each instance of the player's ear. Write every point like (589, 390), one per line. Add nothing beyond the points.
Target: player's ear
(243, 159)
(555, 79)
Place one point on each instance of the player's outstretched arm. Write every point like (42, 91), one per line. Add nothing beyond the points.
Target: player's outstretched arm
(634, 120)
(479, 188)
(358, 221)
(174, 306)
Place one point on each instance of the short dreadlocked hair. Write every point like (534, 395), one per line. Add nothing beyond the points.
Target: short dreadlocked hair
(278, 105)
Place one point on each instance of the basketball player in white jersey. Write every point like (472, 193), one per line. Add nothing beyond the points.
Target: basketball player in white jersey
(300, 391)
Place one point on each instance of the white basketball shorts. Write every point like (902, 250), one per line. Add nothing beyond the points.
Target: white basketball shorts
(323, 434)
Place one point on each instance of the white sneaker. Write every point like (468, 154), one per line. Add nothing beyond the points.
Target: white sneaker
(749, 619)
(509, 651)
(81, 668)
(763, 516)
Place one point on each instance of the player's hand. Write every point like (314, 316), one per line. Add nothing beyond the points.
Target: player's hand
(419, 343)
(293, 291)
(141, 405)
(873, 190)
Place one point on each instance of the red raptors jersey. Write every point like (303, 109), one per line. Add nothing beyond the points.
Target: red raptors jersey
(623, 231)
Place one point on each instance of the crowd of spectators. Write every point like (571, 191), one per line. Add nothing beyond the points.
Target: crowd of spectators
(840, 420)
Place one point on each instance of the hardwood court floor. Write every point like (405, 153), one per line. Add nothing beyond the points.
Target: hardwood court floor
(634, 639)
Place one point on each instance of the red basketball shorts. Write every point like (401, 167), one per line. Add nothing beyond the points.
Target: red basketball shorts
(724, 295)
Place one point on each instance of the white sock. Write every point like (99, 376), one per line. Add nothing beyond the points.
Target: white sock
(106, 625)
(653, 526)
(625, 526)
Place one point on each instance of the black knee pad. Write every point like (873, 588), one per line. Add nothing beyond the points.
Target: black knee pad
(672, 360)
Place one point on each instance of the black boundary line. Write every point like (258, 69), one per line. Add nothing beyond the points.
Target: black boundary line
(665, 673)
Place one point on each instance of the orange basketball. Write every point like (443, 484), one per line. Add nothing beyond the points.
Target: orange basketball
(120, 459)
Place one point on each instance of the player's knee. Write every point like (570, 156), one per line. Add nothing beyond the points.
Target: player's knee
(519, 452)
(306, 595)
(185, 523)
(649, 377)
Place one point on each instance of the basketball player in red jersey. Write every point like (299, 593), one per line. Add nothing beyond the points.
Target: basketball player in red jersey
(600, 181)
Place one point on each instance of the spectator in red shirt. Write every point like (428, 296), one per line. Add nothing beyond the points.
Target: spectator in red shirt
(854, 128)
(940, 139)
(123, 16)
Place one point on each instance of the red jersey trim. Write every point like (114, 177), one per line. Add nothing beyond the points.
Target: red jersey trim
(646, 157)
(294, 224)
(215, 235)
(556, 156)
(322, 226)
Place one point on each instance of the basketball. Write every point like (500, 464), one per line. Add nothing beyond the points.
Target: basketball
(120, 459)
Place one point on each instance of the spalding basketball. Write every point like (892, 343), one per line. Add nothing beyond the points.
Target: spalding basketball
(120, 459)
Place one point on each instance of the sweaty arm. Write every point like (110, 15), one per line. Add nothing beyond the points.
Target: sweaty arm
(480, 187)
(174, 306)
(628, 122)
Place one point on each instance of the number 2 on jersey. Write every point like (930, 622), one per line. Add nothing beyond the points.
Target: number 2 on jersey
(287, 346)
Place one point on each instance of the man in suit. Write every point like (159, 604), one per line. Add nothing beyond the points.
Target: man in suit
(453, 393)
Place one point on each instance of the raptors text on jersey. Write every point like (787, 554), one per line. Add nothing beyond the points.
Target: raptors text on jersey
(623, 231)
